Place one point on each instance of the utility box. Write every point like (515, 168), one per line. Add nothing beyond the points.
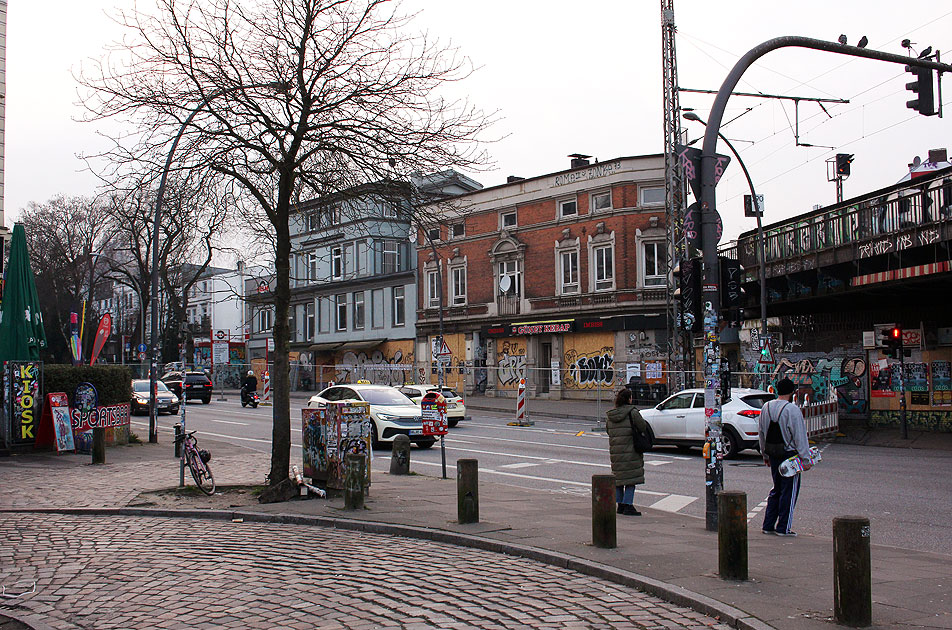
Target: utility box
(329, 434)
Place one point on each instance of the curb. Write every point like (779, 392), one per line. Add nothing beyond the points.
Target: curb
(677, 595)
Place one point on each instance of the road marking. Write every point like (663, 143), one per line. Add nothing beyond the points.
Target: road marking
(656, 463)
(221, 435)
(520, 465)
(579, 448)
(672, 502)
(244, 424)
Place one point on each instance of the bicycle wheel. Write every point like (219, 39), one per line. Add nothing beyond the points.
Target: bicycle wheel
(201, 473)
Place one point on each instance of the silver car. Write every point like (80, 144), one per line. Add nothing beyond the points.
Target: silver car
(680, 419)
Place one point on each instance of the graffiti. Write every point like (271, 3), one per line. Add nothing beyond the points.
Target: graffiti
(790, 346)
(934, 421)
(904, 241)
(510, 363)
(927, 237)
(376, 367)
(817, 376)
(590, 370)
(883, 246)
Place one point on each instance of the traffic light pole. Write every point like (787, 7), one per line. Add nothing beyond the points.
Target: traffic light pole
(710, 169)
(902, 388)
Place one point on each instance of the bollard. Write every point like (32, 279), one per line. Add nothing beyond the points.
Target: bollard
(852, 586)
(99, 445)
(354, 482)
(467, 491)
(400, 457)
(603, 511)
(177, 428)
(732, 534)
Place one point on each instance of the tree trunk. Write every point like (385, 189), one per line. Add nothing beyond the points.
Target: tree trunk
(280, 385)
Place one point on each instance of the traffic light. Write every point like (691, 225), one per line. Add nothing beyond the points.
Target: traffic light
(688, 279)
(922, 88)
(732, 291)
(725, 381)
(843, 163)
(892, 341)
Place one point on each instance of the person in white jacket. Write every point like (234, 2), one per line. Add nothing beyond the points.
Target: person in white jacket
(783, 434)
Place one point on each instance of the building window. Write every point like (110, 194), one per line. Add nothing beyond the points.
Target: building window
(568, 267)
(324, 314)
(433, 234)
(510, 269)
(388, 210)
(362, 258)
(458, 277)
(602, 201)
(655, 264)
(331, 215)
(337, 263)
(341, 311)
(359, 310)
(312, 266)
(568, 208)
(309, 321)
(399, 306)
(391, 257)
(376, 308)
(265, 319)
(458, 230)
(604, 267)
(433, 289)
(507, 220)
(652, 196)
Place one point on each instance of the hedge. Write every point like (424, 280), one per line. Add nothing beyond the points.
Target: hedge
(113, 382)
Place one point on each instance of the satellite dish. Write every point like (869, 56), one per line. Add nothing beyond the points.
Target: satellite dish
(412, 237)
(505, 282)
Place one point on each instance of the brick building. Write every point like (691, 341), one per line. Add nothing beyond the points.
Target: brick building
(559, 278)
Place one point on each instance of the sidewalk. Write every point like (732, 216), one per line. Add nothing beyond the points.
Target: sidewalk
(668, 555)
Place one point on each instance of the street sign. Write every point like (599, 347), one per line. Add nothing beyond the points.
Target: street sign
(222, 335)
(220, 352)
(766, 353)
(441, 352)
(141, 347)
(749, 210)
(270, 344)
(142, 356)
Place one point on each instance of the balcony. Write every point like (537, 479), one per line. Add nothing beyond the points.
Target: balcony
(508, 304)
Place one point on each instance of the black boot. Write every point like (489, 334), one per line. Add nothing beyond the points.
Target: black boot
(628, 510)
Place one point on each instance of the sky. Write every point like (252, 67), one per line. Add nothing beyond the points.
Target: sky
(571, 77)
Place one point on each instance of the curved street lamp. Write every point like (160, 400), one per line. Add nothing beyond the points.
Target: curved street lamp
(280, 86)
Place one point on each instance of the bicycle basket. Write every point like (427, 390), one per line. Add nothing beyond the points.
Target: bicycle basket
(205, 455)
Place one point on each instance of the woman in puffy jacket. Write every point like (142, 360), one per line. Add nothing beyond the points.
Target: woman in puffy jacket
(628, 465)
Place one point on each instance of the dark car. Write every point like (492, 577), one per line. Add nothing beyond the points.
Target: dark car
(164, 401)
(197, 385)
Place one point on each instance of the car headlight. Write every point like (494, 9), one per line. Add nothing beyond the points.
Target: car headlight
(387, 417)
(174, 399)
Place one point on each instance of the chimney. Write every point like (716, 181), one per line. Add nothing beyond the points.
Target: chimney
(938, 155)
(579, 160)
(514, 178)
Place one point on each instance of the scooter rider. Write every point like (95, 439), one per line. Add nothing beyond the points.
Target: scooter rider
(249, 385)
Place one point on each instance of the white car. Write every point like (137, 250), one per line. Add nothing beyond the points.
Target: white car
(392, 412)
(455, 407)
(680, 420)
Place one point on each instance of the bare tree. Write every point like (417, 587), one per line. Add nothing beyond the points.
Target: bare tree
(296, 99)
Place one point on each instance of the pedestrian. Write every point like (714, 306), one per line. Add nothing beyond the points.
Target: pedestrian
(628, 465)
(783, 434)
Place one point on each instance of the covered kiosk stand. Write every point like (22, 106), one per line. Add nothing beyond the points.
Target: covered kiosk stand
(331, 433)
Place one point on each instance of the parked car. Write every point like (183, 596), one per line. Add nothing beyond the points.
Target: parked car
(455, 408)
(392, 413)
(164, 399)
(197, 385)
(680, 420)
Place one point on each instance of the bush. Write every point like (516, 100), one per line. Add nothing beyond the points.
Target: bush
(113, 382)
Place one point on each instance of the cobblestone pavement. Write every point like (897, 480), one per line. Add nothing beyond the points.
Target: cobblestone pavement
(141, 572)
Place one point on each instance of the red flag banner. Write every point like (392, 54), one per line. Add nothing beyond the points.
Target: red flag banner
(102, 334)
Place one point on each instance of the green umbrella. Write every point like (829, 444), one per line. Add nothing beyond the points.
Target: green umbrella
(21, 322)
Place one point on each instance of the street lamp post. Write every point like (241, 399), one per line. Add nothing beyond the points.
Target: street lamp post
(159, 196)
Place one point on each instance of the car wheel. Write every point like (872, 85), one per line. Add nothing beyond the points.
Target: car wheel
(731, 442)
(205, 401)
(244, 403)
(374, 439)
(453, 422)
(174, 411)
(427, 444)
(684, 448)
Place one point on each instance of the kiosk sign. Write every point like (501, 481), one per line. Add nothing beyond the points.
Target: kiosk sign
(433, 406)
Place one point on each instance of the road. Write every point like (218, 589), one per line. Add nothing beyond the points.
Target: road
(903, 492)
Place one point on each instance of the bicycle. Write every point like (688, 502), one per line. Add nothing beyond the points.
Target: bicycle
(197, 461)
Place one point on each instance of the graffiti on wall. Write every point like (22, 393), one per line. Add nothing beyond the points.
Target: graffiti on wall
(589, 370)
(817, 375)
(384, 366)
(510, 362)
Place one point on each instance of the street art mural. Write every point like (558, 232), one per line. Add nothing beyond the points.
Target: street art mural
(510, 363)
(589, 361)
(391, 363)
(817, 375)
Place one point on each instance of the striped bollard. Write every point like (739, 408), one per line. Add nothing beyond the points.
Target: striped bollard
(521, 420)
(266, 385)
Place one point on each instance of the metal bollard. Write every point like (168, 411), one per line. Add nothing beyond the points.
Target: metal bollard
(852, 586)
(603, 511)
(467, 491)
(177, 428)
(732, 534)
(354, 482)
(99, 445)
(400, 457)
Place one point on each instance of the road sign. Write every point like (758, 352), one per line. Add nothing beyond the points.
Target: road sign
(766, 353)
(142, 356)
(441, 352)
(270, 344)
(220, 352)
(749, 210)
(222, 335)
(141, 347)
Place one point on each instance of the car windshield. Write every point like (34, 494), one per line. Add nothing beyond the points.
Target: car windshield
(447, 392)
(143, 386)
(757, 400)
(384, 397)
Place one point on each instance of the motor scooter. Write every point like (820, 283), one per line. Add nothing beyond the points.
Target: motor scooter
(249, 398)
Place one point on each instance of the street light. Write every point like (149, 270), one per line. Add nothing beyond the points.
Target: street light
(760, 228)
(279, 86)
